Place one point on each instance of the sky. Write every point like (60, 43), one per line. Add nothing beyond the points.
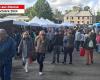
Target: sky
(58, 4)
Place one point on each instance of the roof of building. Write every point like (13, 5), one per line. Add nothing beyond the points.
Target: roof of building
(79, 13)
(72, 13)
(84, 13)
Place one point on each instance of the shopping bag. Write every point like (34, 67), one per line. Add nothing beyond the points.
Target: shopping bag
(82, 51)
(32, 58)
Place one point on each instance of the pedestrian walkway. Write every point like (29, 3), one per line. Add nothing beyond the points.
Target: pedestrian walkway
(77, 71)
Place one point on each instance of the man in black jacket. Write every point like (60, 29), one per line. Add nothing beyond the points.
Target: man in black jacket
(57, 42)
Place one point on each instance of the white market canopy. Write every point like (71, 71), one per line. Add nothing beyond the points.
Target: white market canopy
(67, 24)
(14, 21)
(22, 23)
(50, 22)
(3, 19)
(41, 22)
(34, 24)
(34, 21)
(47, 23)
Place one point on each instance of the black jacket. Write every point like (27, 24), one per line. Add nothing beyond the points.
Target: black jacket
(58, 40)
(70, 41)
(86, 43)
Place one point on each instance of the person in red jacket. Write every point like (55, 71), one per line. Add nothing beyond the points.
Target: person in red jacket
(98, 42)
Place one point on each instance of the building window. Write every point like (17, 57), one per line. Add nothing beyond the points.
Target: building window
(87, 17)
(67, 17)
(72, 17)
(87, 22)
(82, 17)
(78, 17)
(72, 21)
(78, 22)
(82, 21)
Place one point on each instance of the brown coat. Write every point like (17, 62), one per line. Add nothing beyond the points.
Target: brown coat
(40, 45)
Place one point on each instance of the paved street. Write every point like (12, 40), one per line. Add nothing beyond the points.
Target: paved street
(77, 71)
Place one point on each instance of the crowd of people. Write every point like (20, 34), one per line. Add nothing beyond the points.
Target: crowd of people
(58, 41)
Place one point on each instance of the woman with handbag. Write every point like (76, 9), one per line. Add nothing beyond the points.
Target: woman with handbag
(40, 48)
(25, 47)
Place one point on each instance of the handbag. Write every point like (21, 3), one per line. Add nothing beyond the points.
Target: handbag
(33, 57)
(82, 51)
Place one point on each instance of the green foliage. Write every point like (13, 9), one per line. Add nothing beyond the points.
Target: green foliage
(86, 8)
(77, 8)
(43, 9)
(98, 17)
(30, 12)
(3, 15)
(58, 15)
(80, 8)
(40, 9)
(98, 13)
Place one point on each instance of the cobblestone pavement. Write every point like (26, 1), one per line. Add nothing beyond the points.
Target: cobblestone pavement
(77, 71)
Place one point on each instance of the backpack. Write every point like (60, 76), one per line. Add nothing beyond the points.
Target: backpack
(90, 45)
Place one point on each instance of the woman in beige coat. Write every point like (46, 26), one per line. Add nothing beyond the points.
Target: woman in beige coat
(40, 47)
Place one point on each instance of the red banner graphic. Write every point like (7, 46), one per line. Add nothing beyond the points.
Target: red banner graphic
(12, 6)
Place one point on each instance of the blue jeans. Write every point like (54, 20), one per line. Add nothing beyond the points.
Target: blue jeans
(68, 51)
(56, 54)
(5, 71)
(77, 44)
(40, 60)
(54, 57)
(98, 48)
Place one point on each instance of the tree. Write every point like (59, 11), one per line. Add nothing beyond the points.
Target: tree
(98, 17)
(98, 13)
(30, 12)
(43, 9)
(86, 8)
(77, 8)
(67, 11)
(3, 15)
(58, 15)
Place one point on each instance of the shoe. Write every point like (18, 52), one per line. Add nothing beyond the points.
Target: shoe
(53, 63)
(87, 64)
(92, 62)
(40, 73)
(26, 70)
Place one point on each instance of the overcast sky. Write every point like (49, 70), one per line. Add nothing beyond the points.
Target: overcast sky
(59, 4)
